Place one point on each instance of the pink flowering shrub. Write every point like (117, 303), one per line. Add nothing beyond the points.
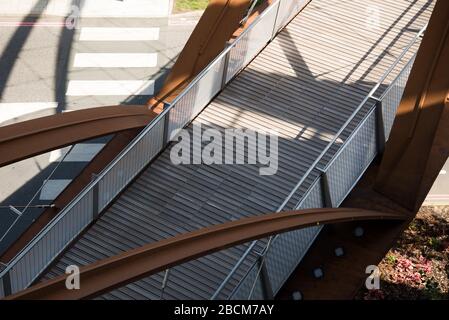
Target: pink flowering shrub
(412, 272)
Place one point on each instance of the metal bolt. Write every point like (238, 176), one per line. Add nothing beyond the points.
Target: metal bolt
(297, 295)
(339, 252)
(318, 273)
(358, 232)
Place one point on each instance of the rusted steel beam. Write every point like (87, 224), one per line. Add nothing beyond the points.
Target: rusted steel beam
(419, 141)
(216, 26)
(98, 163)
(130, 266)
(26, 139)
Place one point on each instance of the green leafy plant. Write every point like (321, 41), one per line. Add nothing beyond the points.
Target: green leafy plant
(190, 5)
(391, 259)
(434, 243)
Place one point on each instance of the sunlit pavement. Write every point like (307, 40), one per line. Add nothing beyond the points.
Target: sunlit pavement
(48, 68)
(439, 194)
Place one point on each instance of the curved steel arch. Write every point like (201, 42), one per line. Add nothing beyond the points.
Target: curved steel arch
(108, 274)
(29, 138)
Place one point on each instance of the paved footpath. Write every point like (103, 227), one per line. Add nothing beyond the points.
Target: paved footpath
(439, 194)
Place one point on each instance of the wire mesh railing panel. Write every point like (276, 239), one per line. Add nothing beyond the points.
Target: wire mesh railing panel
(353, 159)
(245, 48)
(393, 96)
(196, 98)
(131, 164)
(50, 244)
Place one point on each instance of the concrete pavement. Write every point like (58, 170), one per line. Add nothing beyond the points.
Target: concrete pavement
(439, 194)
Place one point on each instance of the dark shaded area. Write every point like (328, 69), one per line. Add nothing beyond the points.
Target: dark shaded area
(65, 44)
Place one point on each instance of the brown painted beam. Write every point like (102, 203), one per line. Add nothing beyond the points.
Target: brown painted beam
(98, 163)
(418, 145)
(343, 276)
(216, 26)
(130, 266)
(29, 138)
(416, 151)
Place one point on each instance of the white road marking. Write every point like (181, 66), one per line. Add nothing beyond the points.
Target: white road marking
(110, 87)
(115, 60)
(128, 8)
(119, 34)
(443, 172)
(90, 8)
(82, 152)
(9, 111)
(53, 188)
(56, 155)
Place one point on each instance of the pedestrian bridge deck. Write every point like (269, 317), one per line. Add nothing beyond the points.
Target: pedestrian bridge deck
(305, 85)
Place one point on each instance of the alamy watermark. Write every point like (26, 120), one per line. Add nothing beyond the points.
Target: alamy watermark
(372, 282)
(72, 20)
(72, 282)
(373, 19)
(228, 147)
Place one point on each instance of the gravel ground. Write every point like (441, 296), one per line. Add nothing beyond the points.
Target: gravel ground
(417, 267)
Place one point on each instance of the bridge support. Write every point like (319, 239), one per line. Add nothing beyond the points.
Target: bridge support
(107, 274)
(325, 190)
(418, 145)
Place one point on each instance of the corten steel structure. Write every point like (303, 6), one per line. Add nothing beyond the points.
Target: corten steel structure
(404, 178)
(217, 25)
(29, 138)
(48, 133)
(108, 274)
(419, 143)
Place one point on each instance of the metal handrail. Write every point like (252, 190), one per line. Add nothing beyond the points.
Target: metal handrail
(334, 158)
(250, 10)
(133, 143)
(314, 165)
(28, 205)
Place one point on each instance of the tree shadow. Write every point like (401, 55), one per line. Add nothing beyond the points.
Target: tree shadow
(65, 44)
(15, 44)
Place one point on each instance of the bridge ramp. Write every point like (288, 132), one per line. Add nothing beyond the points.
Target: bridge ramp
(304, 84)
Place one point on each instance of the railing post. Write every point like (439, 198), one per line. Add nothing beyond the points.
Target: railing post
(96, 199)
(267, 290)
(6, 280)
(164, 283)
(225, 65)
(273, 34)
(325, 189)
(380, 127)
(165, 137)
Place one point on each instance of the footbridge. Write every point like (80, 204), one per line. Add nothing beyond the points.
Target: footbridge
(327, 76)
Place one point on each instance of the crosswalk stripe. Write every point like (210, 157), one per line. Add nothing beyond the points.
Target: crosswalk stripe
(52, 188)
(9, 111)
(128, 8)
(110, 87)
(115, 60)
(89, 8)
(118, 34)
(82, 152)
